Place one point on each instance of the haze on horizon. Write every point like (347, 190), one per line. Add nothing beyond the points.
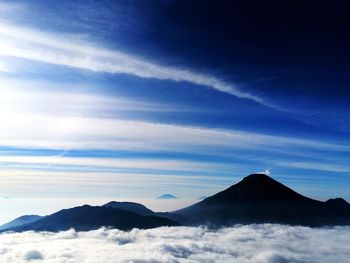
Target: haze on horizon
(129, 100)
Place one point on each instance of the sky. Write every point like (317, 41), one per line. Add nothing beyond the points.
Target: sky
(128, 100)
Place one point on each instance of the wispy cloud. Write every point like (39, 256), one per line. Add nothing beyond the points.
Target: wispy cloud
(79, 53)
(316, 166)
(48, 98)
(4, 68)
(63, 132)
(120, 163)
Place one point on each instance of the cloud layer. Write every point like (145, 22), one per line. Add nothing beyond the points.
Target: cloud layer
(254, 243)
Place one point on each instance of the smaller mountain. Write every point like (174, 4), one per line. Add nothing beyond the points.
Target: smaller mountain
(167, 196)
(85, 218)
(338, 204)
(201, 197)
(22, 220)
(132, 207)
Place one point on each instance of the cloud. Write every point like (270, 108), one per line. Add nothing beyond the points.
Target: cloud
(33, 255)
(76, 52)
(4, 68)
(265, 243)
(24, 97)
(318, 166)
(76, 132)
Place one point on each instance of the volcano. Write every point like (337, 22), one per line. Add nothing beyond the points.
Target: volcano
(259, 198)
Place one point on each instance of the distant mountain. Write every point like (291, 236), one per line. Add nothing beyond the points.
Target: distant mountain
(132, 207)
(260, 199)
(22, 220)
(167, 196)
(84, 218)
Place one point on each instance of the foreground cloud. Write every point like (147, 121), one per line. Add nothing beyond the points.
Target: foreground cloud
(254, 243)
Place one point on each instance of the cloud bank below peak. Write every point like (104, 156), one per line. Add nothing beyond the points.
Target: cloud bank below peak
(253, 243)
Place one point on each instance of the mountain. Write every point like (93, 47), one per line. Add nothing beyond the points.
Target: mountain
(22, 220)
(132, 207)
(260, 199)
(84, 218)
(142, 210)
(167, 196)
(256, 199)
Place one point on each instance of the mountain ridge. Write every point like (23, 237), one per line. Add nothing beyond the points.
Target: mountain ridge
(19, 221)
(86, 217)
(257, 198)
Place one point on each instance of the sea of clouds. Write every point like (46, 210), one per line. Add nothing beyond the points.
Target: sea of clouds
(268, 243)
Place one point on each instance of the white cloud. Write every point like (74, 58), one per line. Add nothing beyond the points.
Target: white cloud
(75, 52)
(74, 132)
(242, 244)
(117, 163)
(318, 166)
(4, 68)
(32, 255)
(25, 97)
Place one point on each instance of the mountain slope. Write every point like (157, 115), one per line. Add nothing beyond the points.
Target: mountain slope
(22, 220)
(132, 207)
(260, 199)
(87, 217)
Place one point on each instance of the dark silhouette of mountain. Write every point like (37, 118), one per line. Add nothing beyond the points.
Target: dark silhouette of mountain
(22, 220)
(167, 196)
(260, 199)
(132, 207)
(143, 210)
(84, 218)
(256, 199)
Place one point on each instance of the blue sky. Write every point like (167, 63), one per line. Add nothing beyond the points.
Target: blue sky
(133, 99)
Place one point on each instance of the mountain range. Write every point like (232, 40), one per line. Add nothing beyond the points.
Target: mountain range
(84, 218)
(258, 198)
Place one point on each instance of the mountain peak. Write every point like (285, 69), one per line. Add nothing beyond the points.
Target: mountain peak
(167, 196)
(257, 187)
(130, 206)
(257, 176)
(338, 203)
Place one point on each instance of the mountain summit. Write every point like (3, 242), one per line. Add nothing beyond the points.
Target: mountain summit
(258, 188)
(132, 207)
(259, 198)
(167, 196)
